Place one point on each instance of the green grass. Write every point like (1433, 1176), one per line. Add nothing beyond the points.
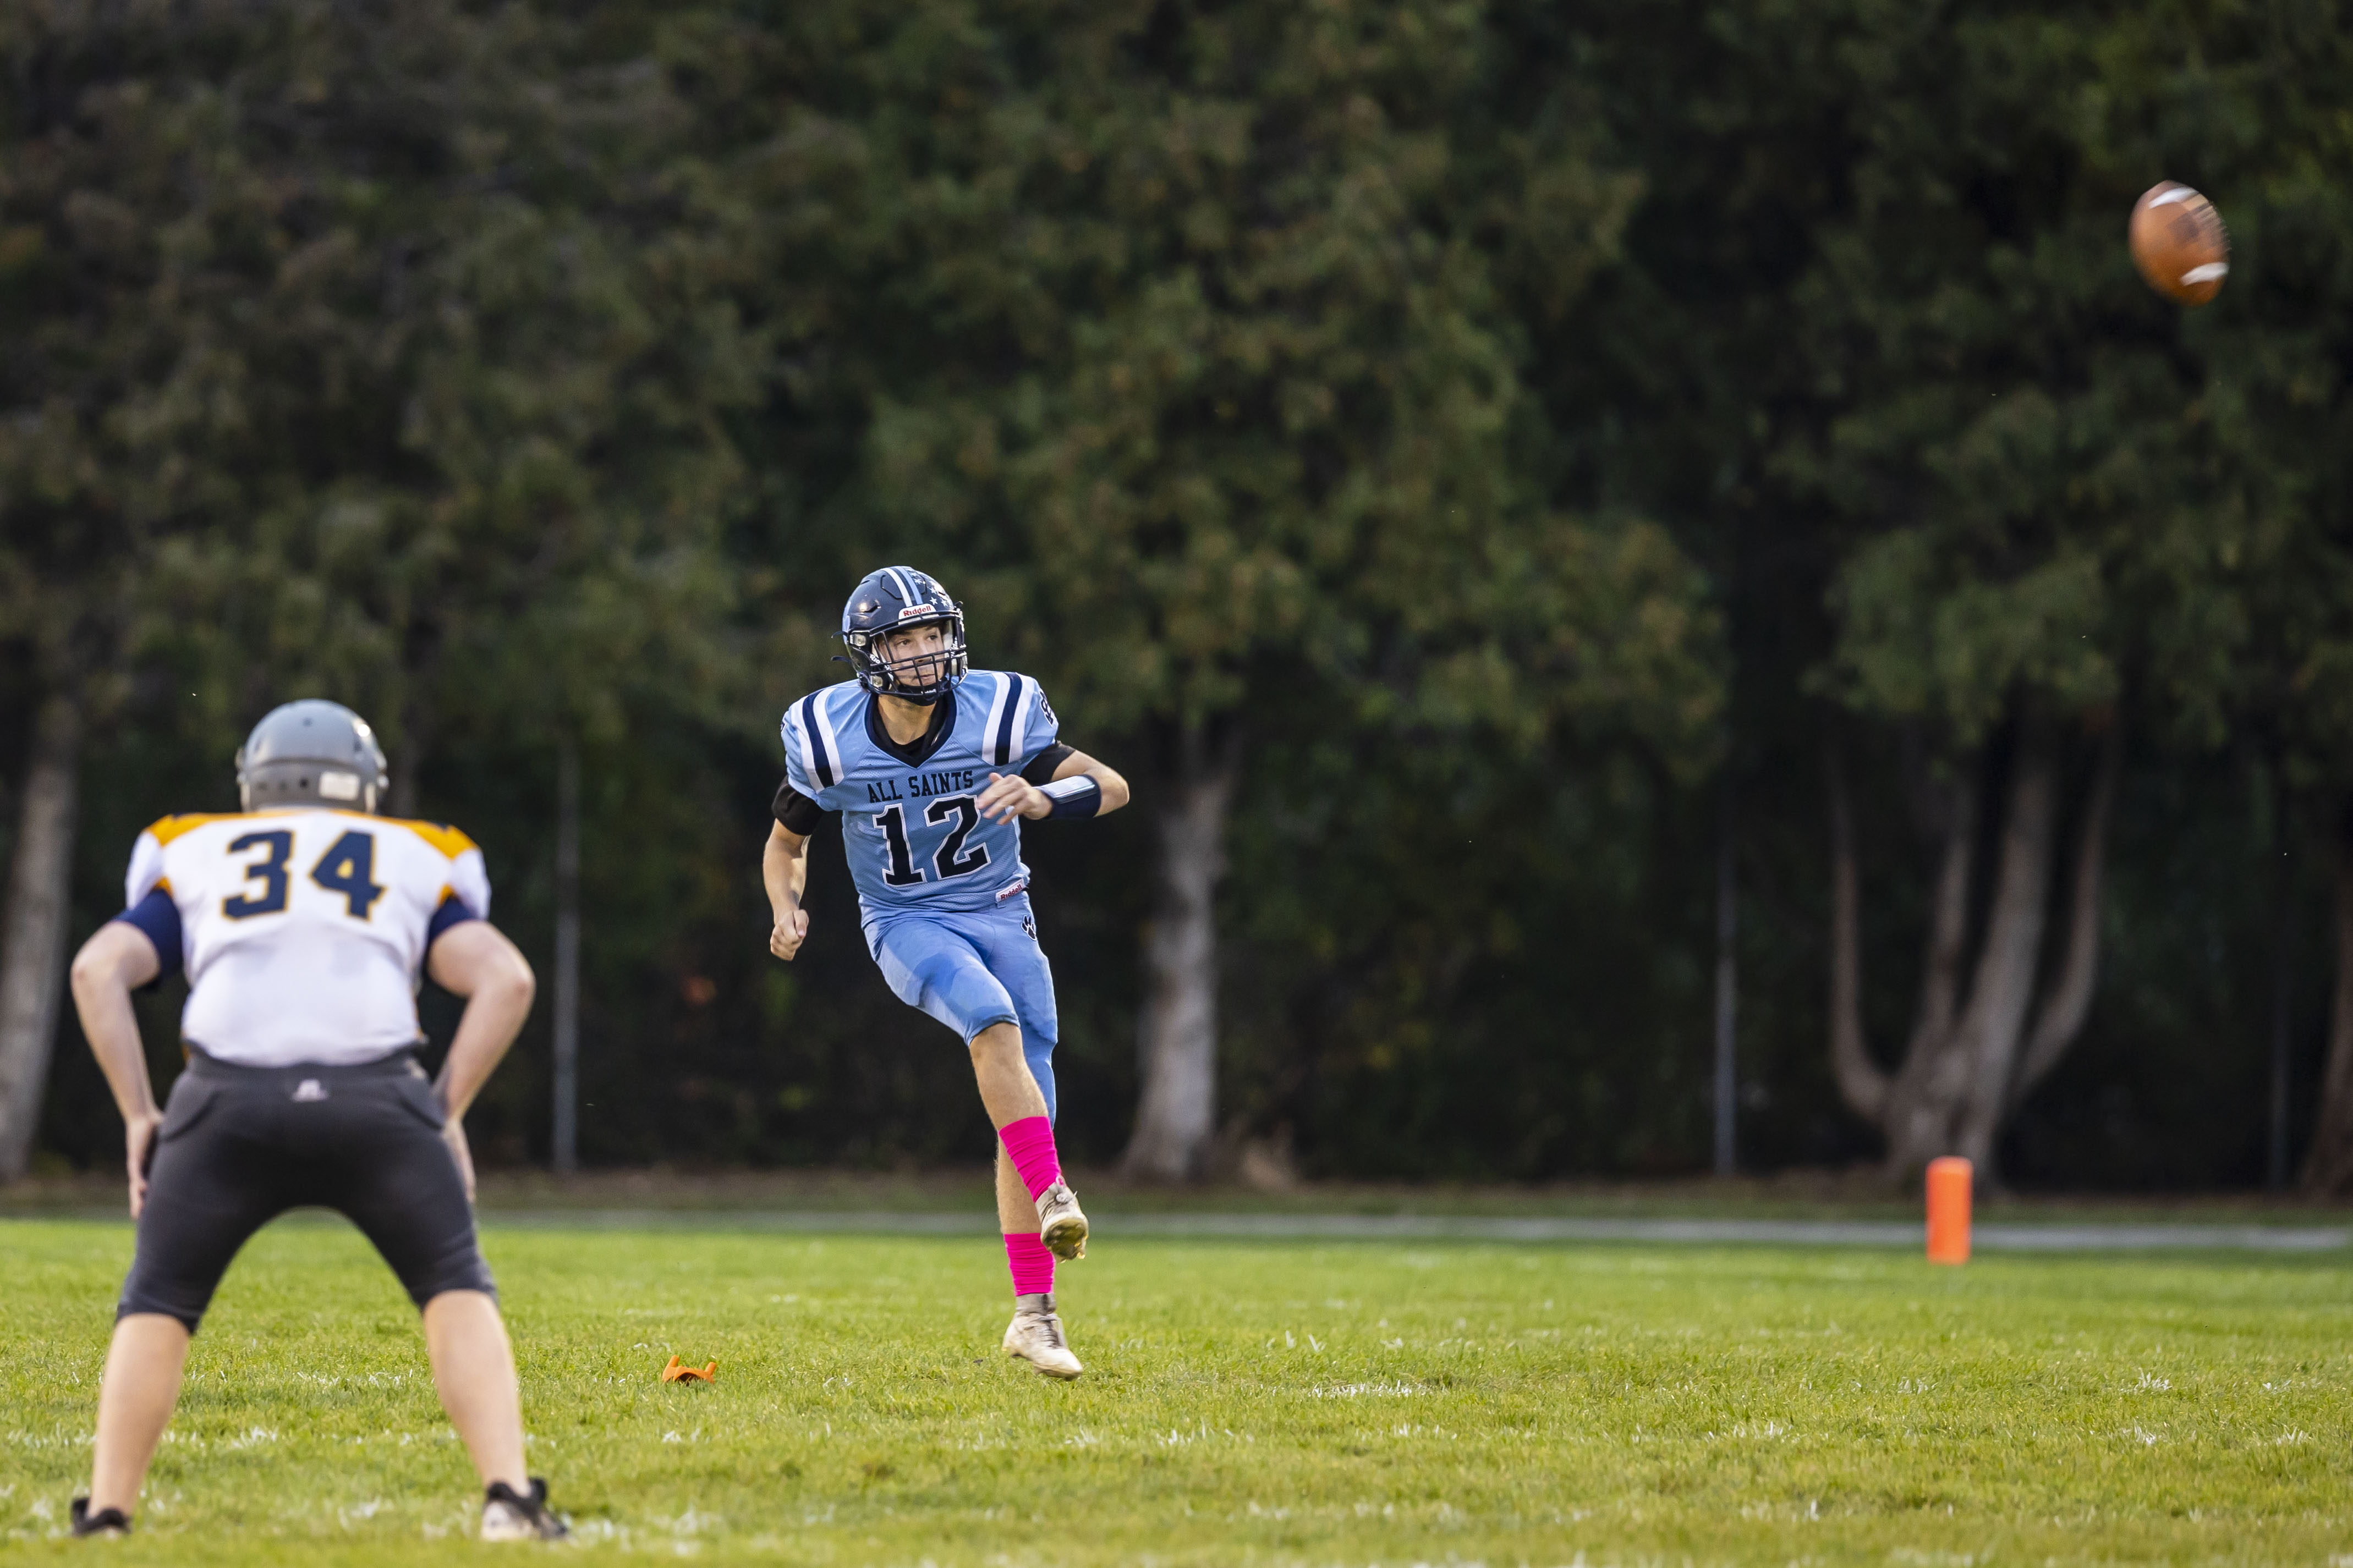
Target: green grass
(1259, 1404)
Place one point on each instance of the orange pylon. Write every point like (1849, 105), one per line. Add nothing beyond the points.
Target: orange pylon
(1949, 1180)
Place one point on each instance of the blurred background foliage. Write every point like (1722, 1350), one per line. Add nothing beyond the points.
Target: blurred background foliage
(1526, 437)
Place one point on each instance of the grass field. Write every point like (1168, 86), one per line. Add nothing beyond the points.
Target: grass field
(1245, 1403)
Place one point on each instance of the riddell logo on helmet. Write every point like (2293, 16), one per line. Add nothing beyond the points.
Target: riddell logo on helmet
(914, 610)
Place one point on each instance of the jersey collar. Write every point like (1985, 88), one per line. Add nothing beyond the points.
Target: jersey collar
(927, 744)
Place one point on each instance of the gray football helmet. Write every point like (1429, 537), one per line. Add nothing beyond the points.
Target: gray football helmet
(311, 752)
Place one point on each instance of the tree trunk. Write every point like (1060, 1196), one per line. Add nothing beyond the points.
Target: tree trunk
(1862, 1082)
(1177, 1032)
(1869, 1089)
(2062, 1017)
(1981, 1039)
(2328, 1165)
(2001, 992)
(1956, 827)
(32, 953)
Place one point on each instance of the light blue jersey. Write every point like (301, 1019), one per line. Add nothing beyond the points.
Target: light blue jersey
(910, 821)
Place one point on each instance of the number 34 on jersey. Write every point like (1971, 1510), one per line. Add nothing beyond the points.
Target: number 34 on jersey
(347, 868)
(302, 930)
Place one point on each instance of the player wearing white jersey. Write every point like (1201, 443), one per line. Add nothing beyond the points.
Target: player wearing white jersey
(303, 922)
(303, 928)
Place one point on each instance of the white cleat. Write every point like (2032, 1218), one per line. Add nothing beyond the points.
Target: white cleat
(1061, 1225)
(1036, 1336)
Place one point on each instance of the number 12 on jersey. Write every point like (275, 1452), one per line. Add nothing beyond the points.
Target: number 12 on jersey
(949, 859)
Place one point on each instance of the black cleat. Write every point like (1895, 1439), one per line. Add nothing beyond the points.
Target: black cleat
(507, 1517)
(107, 1523)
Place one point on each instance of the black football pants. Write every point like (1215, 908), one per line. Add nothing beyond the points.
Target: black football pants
(241, 1145)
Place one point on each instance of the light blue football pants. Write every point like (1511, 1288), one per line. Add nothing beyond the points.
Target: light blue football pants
(972, 970)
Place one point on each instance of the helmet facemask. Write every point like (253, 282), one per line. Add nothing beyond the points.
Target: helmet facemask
(921, 678)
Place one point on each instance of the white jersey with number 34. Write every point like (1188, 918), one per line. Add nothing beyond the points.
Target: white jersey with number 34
(303, 930)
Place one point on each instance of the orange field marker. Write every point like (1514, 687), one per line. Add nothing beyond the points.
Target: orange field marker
(674, 1373)
(1948, 1209)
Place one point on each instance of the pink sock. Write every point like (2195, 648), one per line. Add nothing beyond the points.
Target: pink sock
(1032, 1265)
(1029, 1143)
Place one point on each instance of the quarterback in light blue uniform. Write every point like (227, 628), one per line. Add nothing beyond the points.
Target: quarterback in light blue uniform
(945, 894)
(931, 766)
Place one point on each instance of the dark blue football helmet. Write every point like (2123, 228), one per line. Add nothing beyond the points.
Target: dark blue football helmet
(902, 598)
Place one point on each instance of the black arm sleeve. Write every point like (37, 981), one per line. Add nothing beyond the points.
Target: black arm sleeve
(1040, 770)
(796, 811)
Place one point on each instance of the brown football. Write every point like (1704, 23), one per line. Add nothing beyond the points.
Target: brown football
(2179, 244)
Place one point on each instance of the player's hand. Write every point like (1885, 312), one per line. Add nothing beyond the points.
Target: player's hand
(138, 1141)
(453, 1134)
(784, 938)
(1009, 795)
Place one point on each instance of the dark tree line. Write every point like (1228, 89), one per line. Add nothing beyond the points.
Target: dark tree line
(1462, 461)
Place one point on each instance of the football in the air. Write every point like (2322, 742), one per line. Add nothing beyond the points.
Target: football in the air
(2179, 244)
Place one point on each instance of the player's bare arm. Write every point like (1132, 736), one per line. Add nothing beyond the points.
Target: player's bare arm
(475, 960)
(1009, 795)
(783, 870)
(115, 961)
